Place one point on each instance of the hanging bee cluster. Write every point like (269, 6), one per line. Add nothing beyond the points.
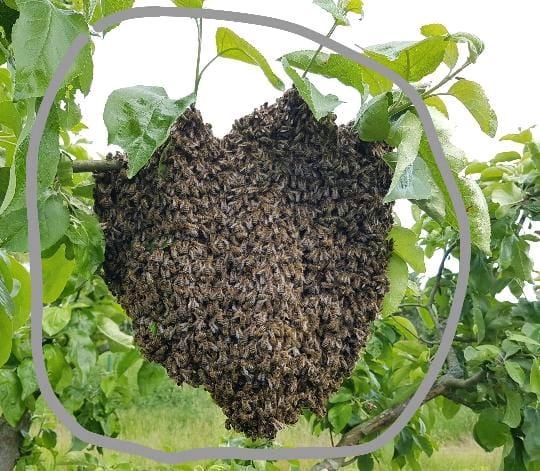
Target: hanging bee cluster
(252, 265)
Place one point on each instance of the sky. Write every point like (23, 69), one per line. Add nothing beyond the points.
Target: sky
(162, 51)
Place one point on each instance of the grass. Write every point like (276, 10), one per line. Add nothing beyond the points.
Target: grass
(188, 418)
(462, 456)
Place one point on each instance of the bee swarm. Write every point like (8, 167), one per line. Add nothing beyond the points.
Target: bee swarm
(252, 265)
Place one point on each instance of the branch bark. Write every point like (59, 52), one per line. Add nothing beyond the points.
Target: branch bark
(96, 166)
(10, 442)
(361, 431)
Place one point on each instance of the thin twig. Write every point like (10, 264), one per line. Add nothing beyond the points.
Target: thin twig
(438, 277)
(96, 166)
(210, 62)
(452, 360)
(199, 51)
(447, 79)
(319, 49)
(431, 92)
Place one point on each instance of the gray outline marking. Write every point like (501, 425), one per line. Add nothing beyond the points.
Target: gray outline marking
(35, 251)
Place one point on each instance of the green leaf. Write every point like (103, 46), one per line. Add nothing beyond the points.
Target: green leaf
(473, 197)
(8, 17)
(48, 158)
(53, 222)
(6, 302)
(437, 103)
(449, 408)
(139, 120)
(22, 299)
(10, 117)
(434, 29)
(56, 365)
(472, 96)
(476, 167)
(522, 339)
(127, 360)
(55, 318)
(353, 6)
(319, 104)
(531, 432)
(451, 53)
(373, 120)
(337, 11)
(506, 194)
(346, 71)
(81, 350)
(86, 235)
(98, 9)
(515, 371)
(339, 416)
(408, 132)
(535, 377)
(365, 463)
(506, 156)
(6, 337)
(522, 137)
(405, 244)
(189, 3)
(397, 277)
(491, 174)
(56, 272)
(341, 396)
(488, 432)
(150, 377)
(27, 377)
(232, 46)
(415, 183)
(481, 354)
(10, 397)
(41, 37)
(413, 60)
(406, 329)
(334, 66)
(478, 213)
(112, 331)
(479, 327)
(512, 413)
(474, 44)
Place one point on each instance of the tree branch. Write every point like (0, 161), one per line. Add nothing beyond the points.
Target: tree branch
(96, 166)
(356, 434)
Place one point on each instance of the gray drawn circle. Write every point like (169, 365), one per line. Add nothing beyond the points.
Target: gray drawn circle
(124, 446)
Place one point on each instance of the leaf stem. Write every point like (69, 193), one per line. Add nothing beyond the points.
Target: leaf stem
(318, 51)
(431, 92)
(447, 79)
(199, 23)
(210, 62)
